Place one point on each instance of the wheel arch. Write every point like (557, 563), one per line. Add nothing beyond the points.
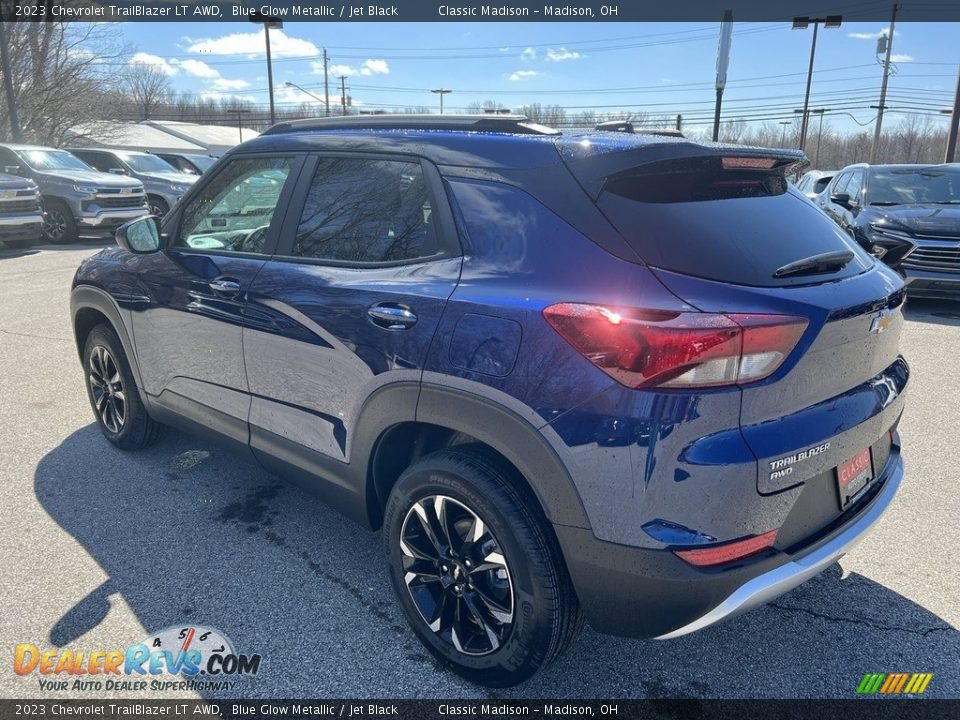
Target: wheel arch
(446, 417)
(91, 306)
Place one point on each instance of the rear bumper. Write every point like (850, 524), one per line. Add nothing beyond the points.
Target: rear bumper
(636, 592)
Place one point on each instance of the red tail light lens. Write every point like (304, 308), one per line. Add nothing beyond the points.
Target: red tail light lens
(647, 348)
(728, 552)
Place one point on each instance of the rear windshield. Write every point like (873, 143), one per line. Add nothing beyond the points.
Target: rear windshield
(737, 226)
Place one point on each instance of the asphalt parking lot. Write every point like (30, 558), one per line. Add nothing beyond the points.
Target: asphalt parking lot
(101, 548)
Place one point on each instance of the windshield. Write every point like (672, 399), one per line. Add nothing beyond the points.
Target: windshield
(914, 185)
(147, 163)
(203, 162)
(52, 160)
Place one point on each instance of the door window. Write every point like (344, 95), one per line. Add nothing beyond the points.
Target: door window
(840, 184)
(854, 186)
(232, 212)
(366, 211)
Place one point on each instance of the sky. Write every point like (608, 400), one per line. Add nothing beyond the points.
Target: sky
(656, 68)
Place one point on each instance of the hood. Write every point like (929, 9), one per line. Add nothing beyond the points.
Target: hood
(927, 219)
(92, 177)
(12, 182)
(172, 178)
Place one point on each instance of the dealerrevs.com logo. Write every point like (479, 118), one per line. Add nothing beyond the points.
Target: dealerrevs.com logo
(200, 658)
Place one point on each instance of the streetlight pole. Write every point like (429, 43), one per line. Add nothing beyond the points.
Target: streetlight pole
(783, 135)
(883, 87)
(268, 21)
(801, 23)
(307, 92)
(441, 92)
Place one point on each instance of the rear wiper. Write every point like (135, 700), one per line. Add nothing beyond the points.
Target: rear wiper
(825, 262)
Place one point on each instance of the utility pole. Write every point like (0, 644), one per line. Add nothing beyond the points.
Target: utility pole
(8, 85)
(874, 149)
(783, 134)
(441, 92)
(326, 85)
(954, 126)
(343, 93)
(723, 61)
(679, 122)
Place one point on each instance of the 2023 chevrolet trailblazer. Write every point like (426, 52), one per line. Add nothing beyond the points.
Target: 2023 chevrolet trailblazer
(635, 379)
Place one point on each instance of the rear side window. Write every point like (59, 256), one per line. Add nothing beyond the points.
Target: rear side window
(366, 211)
(737, 226)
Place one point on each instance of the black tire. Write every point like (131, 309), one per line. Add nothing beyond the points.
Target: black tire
(120, 413)
(543, 615)
(59, 225)
(158, 206)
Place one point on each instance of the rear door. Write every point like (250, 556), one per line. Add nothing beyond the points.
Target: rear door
(367, 259)
(188, 319)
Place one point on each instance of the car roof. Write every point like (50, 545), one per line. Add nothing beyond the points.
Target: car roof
(19, 146)
(479, 148)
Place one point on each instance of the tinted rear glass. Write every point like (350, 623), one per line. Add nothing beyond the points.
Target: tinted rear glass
(734, 226)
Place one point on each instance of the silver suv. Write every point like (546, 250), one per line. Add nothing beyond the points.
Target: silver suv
(164, 184)
(77, 200)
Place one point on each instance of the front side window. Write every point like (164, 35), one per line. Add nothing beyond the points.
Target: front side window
(841, 183)
(366, 211)
(233, 211)
(854, 186)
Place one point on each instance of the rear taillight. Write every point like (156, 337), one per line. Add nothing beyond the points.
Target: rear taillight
(646, 348)
(728, 552)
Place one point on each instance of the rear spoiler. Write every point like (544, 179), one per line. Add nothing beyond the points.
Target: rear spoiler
(593, 168)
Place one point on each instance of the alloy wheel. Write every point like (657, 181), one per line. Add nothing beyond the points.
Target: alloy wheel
(106, 384)
(54, 224)
(457, 575)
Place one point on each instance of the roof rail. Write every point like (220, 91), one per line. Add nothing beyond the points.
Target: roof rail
(625, 126)
(476, 123)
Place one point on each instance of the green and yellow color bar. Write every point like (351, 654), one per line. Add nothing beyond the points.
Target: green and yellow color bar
(894, 683)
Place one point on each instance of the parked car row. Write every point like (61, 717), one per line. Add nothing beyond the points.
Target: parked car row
(62, 195)
(906, 215)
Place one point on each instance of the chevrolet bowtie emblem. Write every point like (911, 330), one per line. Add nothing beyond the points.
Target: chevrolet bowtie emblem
(882, 321)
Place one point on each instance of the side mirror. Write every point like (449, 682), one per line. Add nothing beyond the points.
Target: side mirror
(141, 236)
(11, 169)
(841, 199)
(117, 171)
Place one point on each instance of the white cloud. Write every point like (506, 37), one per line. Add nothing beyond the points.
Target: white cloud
(562, 54)
(252, 43)
(528, 54)
(221, 83)
(197, 68)
(871, 35)
(142, 58)
(369, 67)
(901, 57)
(523, 75)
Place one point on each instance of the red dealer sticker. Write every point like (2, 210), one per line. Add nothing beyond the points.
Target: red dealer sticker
(854, 476)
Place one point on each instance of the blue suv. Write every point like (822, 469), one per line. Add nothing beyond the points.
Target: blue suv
(634, 379)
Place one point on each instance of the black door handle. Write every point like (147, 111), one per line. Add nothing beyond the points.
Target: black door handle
(391, 316)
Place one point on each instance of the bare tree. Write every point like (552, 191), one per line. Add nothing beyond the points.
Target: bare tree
(148, 87)
(62, 75)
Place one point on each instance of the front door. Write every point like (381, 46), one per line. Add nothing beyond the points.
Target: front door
(188, 323)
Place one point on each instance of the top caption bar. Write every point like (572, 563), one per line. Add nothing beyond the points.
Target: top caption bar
(464, 11)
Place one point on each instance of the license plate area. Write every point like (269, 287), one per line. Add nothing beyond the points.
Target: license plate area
(854, 477)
